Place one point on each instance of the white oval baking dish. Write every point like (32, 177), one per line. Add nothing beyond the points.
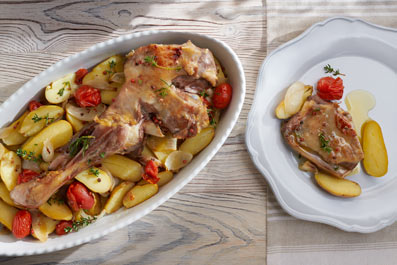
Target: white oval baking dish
(15, 105)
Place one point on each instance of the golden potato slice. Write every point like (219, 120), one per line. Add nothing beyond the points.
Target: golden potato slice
(219, 73)
(337, 186)
(115, 200)
(60, 90)
(375, 153)
(139, 194)
(177, 160)
(76, 123)
(39, 118)
(57, 210)
(280, 111)
(296, 95)
(58, 133)
(198, 142)
(7, 214)
(123, 167)
(14, 137)
(162, 155)
(42, 226)
(95, 179)
(162, 144)
(3, 150)
(5, 194)
(107, 96)
(10, 168)
(100, 76)
(147, 154)
(164, 176)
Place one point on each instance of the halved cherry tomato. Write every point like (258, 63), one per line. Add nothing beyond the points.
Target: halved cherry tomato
(222, 96)
(80, 75)
(79, 197)
(21, 224)
(151, 172)
(34, 105)
(329, 88)
(61, 226)
(26, 175)
(88, 96)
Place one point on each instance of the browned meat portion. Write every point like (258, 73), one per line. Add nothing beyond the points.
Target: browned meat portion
(148, 92)
(323, 133)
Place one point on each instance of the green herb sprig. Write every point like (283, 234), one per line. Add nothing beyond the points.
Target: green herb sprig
(76, 225)
(152, 61)
(47, 119)
(328, 69)
(324, 143)
(94, 171)
(28, 156)
(81, 143)
(55, 200)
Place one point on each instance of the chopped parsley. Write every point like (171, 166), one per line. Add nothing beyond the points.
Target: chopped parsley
(76, 225)
(203, 94)
(140, 81)
(324, 143)
(328, 69)
(152, 61)
(81, 143)
(102, 155)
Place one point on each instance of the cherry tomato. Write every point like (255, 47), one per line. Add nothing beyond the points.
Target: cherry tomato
(21, 224)
(222, 96)
(151, 172)
(329, 88)
(87, 96)
(34, 105)
(26, 175)
(80, 75)
(79, 197)
(60, 227)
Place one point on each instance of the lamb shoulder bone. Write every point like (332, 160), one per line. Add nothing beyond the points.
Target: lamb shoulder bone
(147, 92)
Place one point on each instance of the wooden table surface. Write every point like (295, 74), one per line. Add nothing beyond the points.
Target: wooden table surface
(218, 218)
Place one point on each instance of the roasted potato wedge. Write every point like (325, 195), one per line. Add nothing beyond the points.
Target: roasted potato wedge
(60, 90)
(56, 210)
(7, 214)
(177, 160)
(10, 168)
(280, 111)
(123, 167)
(76, 123)
(14, 137)
(375, 153)
(162, 144)
(219, 73)
(115, 200)
(97, 208)
(5, 194)
(107, 96)
(58, 133)
(198, 142)
(162, 155)
(95, 179)
(39, 118)
(42, 226)
(139, 194)
(100, 76)
(337, 186)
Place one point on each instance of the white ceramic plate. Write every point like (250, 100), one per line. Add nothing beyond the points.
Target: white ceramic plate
(367, 54)
(18, 102)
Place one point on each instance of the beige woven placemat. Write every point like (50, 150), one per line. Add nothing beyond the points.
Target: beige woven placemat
(293, 241)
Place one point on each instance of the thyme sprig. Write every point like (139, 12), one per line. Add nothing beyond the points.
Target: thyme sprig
(328, 69)
(81, 143)
(324, 143)
(76, 225)
(28, 155)
(47, 119)
(152, 61)
(94, 171)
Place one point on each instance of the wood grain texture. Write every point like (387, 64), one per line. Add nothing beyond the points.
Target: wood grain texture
(219, 217)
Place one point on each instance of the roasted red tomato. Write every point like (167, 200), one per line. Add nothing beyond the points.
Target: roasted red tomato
(151, 172)
(79, 197)
(222, 96)
(329, 88)
(34, 105)
(88, 96)
(62, 227)
(21, 224)
(26, 175)
(80, 75)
